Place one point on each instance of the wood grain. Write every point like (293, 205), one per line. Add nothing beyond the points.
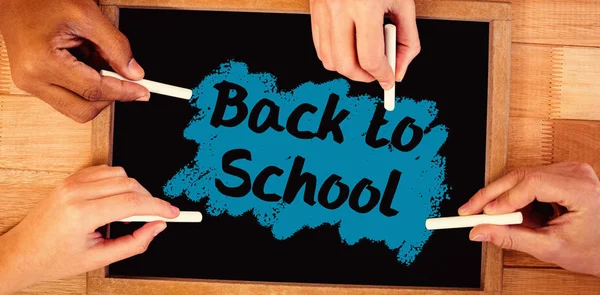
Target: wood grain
(455, 9)
(520, 259)
(72, 285)
(547, 282)
(555, 82)
(21, 191)
(497, 136)
(530, 142)
(576, 140)
(183, 287)
(36, 137)
(534, 80)
(578, 87)
(561, 22)
(6, 84)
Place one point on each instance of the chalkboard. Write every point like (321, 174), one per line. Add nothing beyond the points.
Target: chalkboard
(424, 159)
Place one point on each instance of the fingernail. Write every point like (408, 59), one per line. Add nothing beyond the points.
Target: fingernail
(143, 98)
(175, 210)
(463, 209)
(481, 238)
(160, 229)
(135, 69)
(386, 85)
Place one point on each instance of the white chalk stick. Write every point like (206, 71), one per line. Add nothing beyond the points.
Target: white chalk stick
(184, 216)
(473, 220)
(155, 87)
(389, 96)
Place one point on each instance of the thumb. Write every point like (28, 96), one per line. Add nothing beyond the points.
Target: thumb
(114, 47)
(113, 250)
(514, 237)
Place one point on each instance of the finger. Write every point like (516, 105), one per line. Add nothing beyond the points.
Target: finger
(371, 45)
(492, 191)
(536, 242)
(343, 43)
(314, 26)
(404, 17)
(323, 18)
(109, 187)
(113, 46)
(118, 207)
(70, 104)
(541, 186)
(80, 78)
(113, 250)
(99, 172)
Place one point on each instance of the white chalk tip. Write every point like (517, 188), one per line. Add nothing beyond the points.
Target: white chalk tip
(184, 216)
(473, 220)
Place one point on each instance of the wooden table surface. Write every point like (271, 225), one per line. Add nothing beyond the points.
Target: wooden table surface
(554, 117)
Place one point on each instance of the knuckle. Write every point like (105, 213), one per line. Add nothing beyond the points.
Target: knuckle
(328, 65)
(141, 248)
(24, 73)
(584, 167)
(129, 184)
(508, 243)
(532, 178)
(416, 49)
(518, 173)
(118, 170)
(93, 93)
(334, 4)
(347, 70)
(133, 199)
(369, 63)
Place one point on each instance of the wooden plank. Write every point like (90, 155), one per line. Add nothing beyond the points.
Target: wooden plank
(530, 142)
(497, 137)
(6, 84)
(579, 85)
(572, 22)
(555, 82)
(464, 10)
(36, 137)
(71, 285)
(577, 141)
(21, 191)
(547, 282)
(183, 287)
(520, 259)
(534, 77)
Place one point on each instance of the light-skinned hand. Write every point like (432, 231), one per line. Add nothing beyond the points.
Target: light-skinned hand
(39, 35)
(349, 37)
(58, 238)
(572, 240)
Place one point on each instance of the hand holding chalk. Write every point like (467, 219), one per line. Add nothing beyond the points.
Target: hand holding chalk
(155, 87)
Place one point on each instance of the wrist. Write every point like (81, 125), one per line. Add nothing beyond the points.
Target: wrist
(13, 276)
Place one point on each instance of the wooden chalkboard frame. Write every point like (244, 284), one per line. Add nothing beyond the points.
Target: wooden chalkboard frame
(496, 13)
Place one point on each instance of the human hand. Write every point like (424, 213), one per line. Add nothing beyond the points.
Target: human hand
(58, 238)
(349, 37)
(572, 240)
(38, 36)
